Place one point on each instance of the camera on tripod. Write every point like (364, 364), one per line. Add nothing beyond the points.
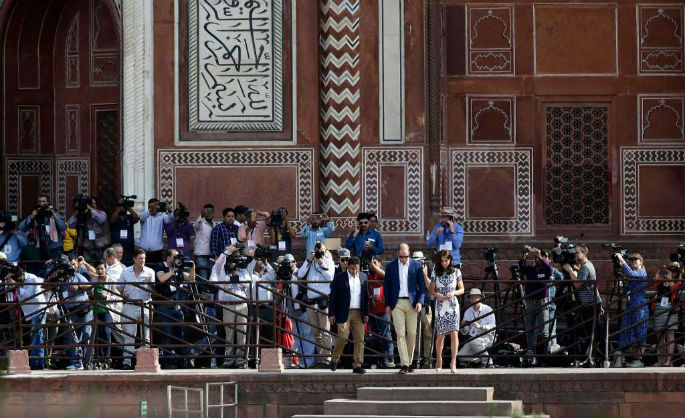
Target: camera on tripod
(490, 254)
(284, 269)
(679, 255)
(262, 253)
(7, 269)
(128, 200)
(8, 221)
(81, 202)
(616, 249)
(43, 212)
(180, 261)
(61, 267)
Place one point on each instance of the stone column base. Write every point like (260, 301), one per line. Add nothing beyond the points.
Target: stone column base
(271, 360)
(147, 360)
(18, 362)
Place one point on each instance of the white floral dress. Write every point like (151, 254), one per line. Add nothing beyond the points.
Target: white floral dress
(447, 311)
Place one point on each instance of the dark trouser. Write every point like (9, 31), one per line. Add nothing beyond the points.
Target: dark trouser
(203, 265)
(380, 324)
(105, 332)
(37, 355)
(266, 330)
(82, 332)
(170, 334)
(589, 316)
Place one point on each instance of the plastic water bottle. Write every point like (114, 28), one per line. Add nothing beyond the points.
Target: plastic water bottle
(428, 235)
(143, 409)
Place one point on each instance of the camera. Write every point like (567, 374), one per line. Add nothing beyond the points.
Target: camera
(276, 218)
(679, 255)
(284, 271)
(182, 211)
(261, 252)
(6, 269)
(180, 261)
(81, 202)
(616, 249)
(161, 206)
(62, 266)
(128, 200)
(560, 239)
(44, 211)
(237, 261)
(566, 256)
(8, 221)
(489, 254)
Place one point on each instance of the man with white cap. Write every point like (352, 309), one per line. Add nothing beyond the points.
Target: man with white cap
(447, 235)
(479, 323)
(424, 358)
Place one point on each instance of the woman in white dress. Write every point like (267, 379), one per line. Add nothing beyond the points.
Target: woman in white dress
(446, 285)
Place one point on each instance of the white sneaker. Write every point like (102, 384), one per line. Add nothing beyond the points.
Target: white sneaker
(555, 348)
(636, 363)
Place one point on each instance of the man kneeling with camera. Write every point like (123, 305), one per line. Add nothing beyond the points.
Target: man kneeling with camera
(170, 278)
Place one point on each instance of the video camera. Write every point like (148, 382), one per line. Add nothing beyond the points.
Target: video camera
(161, 206)
(489, 254)
(129, 200)
(236, 261)
(6, 269)
(181, 261)
(616, 249)
(81, 202)
(62, 266)
(182, 211)
(261, 252)
(284, 270)
(43, 212)
(679, 255)
(8, 221)
(276, 218)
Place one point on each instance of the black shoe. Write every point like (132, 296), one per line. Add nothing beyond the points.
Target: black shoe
(334, 366)
(358, 370)
(404, 370)
(126, 366)
(410, 369)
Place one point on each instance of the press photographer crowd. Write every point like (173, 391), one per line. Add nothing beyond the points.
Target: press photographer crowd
(87, 293)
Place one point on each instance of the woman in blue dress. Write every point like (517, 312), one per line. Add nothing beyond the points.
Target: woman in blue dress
(634, 321)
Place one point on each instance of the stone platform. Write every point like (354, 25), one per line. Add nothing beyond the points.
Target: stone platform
(559, 393)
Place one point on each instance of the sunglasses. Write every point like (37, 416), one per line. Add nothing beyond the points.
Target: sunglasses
(403, 256)
(363, 223)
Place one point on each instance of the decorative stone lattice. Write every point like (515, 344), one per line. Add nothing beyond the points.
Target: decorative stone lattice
(577, 168)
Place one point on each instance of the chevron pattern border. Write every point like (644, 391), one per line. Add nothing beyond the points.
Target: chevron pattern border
(18, 167)
(631, 159)
(302, 159)
(80, 167)
(521, 159)
(411, 158)
(340, 107)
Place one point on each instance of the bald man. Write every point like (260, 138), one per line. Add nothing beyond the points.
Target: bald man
(404, 290)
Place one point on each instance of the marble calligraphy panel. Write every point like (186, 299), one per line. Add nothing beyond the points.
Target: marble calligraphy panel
(235, 65)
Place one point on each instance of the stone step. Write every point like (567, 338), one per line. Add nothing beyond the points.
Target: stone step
(425, 394)
(417, 416)
(422, 408)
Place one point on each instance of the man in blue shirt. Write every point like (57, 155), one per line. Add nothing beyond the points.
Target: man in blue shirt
(364, 242)
(317, 229)
(11, 242)
(447, 235)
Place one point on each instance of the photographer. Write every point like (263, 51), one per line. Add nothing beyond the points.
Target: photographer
(203, 226)
(479, 324)
(364, 242)
(317, 228)
(121, 224)
(319, 268)
(74, 290)
(252, 233)
(224, 234)
(537, 273)
(28, 288)
(170, 278)
(230, 271)
(262, 271)
(152, 223)
(558, 278)
(447, 235)
(91, 227)
(44, 227)
(11, 241)
(134, 286)
(588, 296)
(281, 231)
(180, 231)
(634, 319)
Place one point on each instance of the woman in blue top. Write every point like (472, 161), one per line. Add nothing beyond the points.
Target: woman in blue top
(634, 321)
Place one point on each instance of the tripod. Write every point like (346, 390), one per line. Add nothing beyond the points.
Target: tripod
(71, 331)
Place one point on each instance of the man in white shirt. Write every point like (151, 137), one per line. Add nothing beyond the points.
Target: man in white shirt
(30, 290)
(152, 230)
(263, 293)
(234, 281)
(479, 324)
(203, 231)
(349, 308)
(319, 268)
(134, 285)
(114, 268)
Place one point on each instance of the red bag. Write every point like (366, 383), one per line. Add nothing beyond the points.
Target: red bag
(286, 337)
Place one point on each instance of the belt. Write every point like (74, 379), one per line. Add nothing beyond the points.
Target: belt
(403, 297)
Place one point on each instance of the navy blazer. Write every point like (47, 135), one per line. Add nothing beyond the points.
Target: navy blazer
(416, 285)
(339, 302)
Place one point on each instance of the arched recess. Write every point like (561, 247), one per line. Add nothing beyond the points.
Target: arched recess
(61, 67)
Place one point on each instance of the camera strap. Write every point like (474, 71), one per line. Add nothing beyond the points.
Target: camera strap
(2, 246)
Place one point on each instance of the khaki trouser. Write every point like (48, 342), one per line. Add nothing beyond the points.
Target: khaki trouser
(426, 317)
(236, 313)
(356, 323)
(321, 329)
(404, 318)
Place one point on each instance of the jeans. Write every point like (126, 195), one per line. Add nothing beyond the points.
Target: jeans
(380, 324)
(203, 266)
(104, 334)
(305, 349)
(169, 334)
(552, 325)
(536, 315)
(37, 338)
(76, 355)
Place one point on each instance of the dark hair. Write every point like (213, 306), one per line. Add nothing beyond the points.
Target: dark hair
(439, 271)
(72, 257)
(138, 251)
(353, 261)
(226, 210)
(208, 206)
(544, 253)
(153, 200)
(363, 215)
(167, 252)
(240, 210)
(372, 215)
(18, 271)
(100, 261)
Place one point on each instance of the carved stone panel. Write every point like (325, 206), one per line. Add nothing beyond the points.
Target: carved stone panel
(18, 168)
(491, 120)
(660, 39)
(235, 65)
(661, 118)
(72, 128)
(68, 169)
(491, 44)
(28, 128)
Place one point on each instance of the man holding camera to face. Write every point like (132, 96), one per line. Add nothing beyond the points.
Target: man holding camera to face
(180, 230)
(447, 235)
(170, 278)
(152, 223)
(364, 242)
(44, 227)
(11, 241)
(317, 269)
(121, 223)
(91, 227)
(317, 228)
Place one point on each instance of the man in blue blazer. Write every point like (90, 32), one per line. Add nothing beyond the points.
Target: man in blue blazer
(404, 291)
(349, 307)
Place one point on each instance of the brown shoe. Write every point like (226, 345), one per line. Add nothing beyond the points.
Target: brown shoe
(404, 370)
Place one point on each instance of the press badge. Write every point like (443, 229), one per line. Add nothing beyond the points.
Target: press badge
(123, 234)
(281, 245)
(446, 246)
(91, 234)
(234, 241)
(377, 292)
(664, 301)
(179, 242)
(250, 243)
